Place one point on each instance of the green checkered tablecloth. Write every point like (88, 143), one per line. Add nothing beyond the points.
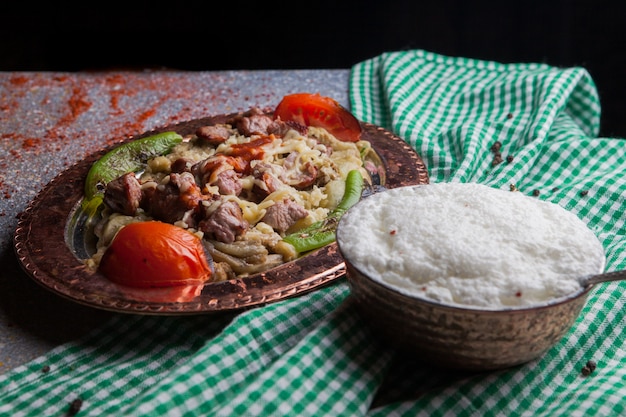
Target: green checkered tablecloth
(311, 355)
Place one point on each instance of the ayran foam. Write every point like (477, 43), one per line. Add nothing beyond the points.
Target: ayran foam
(470, 244)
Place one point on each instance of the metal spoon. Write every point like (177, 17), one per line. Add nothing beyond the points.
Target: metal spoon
(604, 277)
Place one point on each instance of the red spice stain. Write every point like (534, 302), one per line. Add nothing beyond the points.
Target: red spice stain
(146, 115)
(118, 87)
(26, 143)
(5, 193)
(56, 135)
(116, 84)
(115, 99)
(78, 103)
(132, 128)
(19, 80)
(30, 143)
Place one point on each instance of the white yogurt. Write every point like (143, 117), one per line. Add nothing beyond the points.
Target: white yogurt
(469, 245)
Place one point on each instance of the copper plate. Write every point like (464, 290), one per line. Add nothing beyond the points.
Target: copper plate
(51, 240)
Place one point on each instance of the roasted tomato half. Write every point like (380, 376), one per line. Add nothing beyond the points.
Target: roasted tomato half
(320, 111)
(155, 254)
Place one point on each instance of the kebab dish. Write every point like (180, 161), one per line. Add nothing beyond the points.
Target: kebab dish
(230, 200)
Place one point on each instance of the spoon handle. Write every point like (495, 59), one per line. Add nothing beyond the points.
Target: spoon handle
(604, 277)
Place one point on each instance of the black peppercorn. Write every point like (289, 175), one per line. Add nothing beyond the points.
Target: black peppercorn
(496, 146)
(535, 192)
(591, 365)
(75, 407)
(509, 158)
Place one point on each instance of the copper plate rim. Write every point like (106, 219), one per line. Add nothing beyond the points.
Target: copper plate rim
(42, 247)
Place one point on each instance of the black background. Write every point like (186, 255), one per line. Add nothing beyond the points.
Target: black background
(208, 35)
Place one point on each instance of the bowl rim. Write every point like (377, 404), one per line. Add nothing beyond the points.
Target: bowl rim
(461, 308)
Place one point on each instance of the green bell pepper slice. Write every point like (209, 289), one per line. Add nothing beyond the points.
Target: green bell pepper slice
(129, 157)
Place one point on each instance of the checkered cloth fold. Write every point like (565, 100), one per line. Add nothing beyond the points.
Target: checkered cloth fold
(312, 355)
